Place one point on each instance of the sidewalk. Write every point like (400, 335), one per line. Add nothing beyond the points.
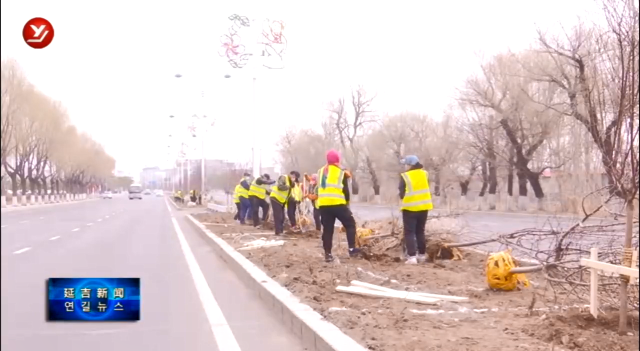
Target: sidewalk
(40, 202)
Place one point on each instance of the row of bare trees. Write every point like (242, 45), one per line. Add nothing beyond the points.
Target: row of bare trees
(42, 151)
(568, 106)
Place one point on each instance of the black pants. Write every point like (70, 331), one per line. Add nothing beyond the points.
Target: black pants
(291, 211)
(278, 215)
(256, 204)
(329, 214)
(414, 231)
(238, 212)
(316, 218)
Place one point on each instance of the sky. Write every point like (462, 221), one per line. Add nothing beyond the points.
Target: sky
(113, 65)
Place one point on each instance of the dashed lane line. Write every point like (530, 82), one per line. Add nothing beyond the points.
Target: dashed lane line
(89, 224)
(75, 230)
(22, 250)
(99, 219)
(55, 237)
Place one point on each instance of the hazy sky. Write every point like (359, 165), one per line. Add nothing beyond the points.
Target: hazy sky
(113, 63)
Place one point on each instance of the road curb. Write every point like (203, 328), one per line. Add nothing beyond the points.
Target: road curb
(28, 207)
(316, 333)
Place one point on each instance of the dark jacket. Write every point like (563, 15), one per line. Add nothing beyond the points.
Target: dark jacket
(402, 186)
(262, 181)
(245, 184)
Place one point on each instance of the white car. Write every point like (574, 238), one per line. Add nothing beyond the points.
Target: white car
(107, 195)
(159, 193)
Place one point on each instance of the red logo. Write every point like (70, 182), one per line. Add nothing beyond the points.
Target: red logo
(38, 33)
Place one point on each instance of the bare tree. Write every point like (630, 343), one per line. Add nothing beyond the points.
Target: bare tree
(350, 127)
(597, 69)
(505, 89)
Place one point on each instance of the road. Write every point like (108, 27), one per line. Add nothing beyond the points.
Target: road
(479, 225)
(123, 238)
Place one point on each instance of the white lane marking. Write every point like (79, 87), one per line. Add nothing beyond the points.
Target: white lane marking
(41, 217)
(89, 224)
(22, 250)
(99, 219)
(3, 226)
(222, 333)
(75, 230)
(106, 217)
(24, 221)
(55, 237)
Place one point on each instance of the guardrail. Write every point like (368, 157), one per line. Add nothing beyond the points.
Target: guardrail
(597, 266)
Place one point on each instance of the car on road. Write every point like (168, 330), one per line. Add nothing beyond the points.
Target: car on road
(135, 192)
(159, 193)
(147, 192)
(107, 195)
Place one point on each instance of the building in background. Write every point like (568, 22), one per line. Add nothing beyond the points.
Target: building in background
(152, 178)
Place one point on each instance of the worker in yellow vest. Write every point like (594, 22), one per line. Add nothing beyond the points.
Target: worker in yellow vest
(416, 203)
(294, 199)
(245, 203)
(280, 194)
(333, 200)
(236, 201)
(258, 192)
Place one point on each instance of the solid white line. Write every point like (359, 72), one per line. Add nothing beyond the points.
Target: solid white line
(55, 237)
(75, 230)
(22, 250)
(222, 333)
(89, 223)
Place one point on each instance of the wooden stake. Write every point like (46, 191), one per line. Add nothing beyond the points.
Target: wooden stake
(593, 293)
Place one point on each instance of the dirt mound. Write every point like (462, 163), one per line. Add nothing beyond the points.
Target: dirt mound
(580, 331)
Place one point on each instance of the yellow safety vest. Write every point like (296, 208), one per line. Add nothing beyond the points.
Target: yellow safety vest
(242, 192)
(296, 192)
(257, 191)
(236, 193)
(417, 196)
(280, 196)
(331, 194)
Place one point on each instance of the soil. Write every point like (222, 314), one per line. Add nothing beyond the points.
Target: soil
(525, 319)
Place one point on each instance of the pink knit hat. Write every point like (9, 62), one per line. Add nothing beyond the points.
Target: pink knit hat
(333, 157)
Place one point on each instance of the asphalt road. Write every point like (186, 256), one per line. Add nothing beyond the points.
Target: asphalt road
(479, 225)
(123, 238)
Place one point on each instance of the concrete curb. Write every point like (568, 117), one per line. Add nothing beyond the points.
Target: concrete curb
(45, 205)
(316, 333)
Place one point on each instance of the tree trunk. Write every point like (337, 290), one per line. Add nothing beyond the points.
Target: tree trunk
(624, 283)
(534, 180)
(522, 183)
(374, 176)
(23, 185)
(436, 178)
(493, 178)
(485, 178)
(14, 184)
(510, 177)
(44, 186)
(355, 187)
(464, 187)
